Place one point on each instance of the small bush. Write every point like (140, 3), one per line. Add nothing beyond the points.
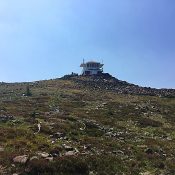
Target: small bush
(65, 165)
(145, 122)
(28, 92)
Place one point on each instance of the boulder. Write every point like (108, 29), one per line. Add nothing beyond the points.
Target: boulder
(20, 159)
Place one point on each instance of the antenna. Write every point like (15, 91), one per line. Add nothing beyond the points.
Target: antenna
(83, 61)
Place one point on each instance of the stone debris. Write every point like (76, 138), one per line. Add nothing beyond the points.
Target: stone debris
(39, 128)
(58, 135)
(83, 125)
(3, 170)
(5, 118)
(55, 153)
(108, 132)
(87, 147)
(121, 134)
(109, 83)
(119, 152)
(147, 173)
(68, 148)
(149, 151)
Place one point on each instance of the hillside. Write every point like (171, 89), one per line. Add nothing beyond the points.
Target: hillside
(80, 125)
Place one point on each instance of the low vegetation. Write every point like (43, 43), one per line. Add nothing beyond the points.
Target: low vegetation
(64, 127)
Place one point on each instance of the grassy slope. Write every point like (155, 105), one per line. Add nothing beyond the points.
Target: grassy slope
(124, 134)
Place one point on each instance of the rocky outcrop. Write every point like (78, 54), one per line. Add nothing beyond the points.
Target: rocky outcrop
(109, 83)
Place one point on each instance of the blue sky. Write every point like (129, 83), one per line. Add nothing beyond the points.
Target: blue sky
(44, 39)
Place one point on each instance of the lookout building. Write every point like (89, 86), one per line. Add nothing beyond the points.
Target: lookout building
(92, 68)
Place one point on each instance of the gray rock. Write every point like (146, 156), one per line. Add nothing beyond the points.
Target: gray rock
(20, 159)
(70, 153)
(1, 149)
(34, 158)
(43, 154)
(68, 148)
(5, 118)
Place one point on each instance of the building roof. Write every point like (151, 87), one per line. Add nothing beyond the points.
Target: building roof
(91, 62)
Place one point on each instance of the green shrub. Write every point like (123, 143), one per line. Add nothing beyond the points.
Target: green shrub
(28, 92)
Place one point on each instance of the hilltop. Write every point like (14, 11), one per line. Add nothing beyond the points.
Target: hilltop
(105, 81)
(86, 125)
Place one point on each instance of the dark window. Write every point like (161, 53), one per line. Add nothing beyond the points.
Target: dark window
(87, 72)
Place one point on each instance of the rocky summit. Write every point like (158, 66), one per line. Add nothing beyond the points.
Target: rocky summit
(106, 82)
(86, 125)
